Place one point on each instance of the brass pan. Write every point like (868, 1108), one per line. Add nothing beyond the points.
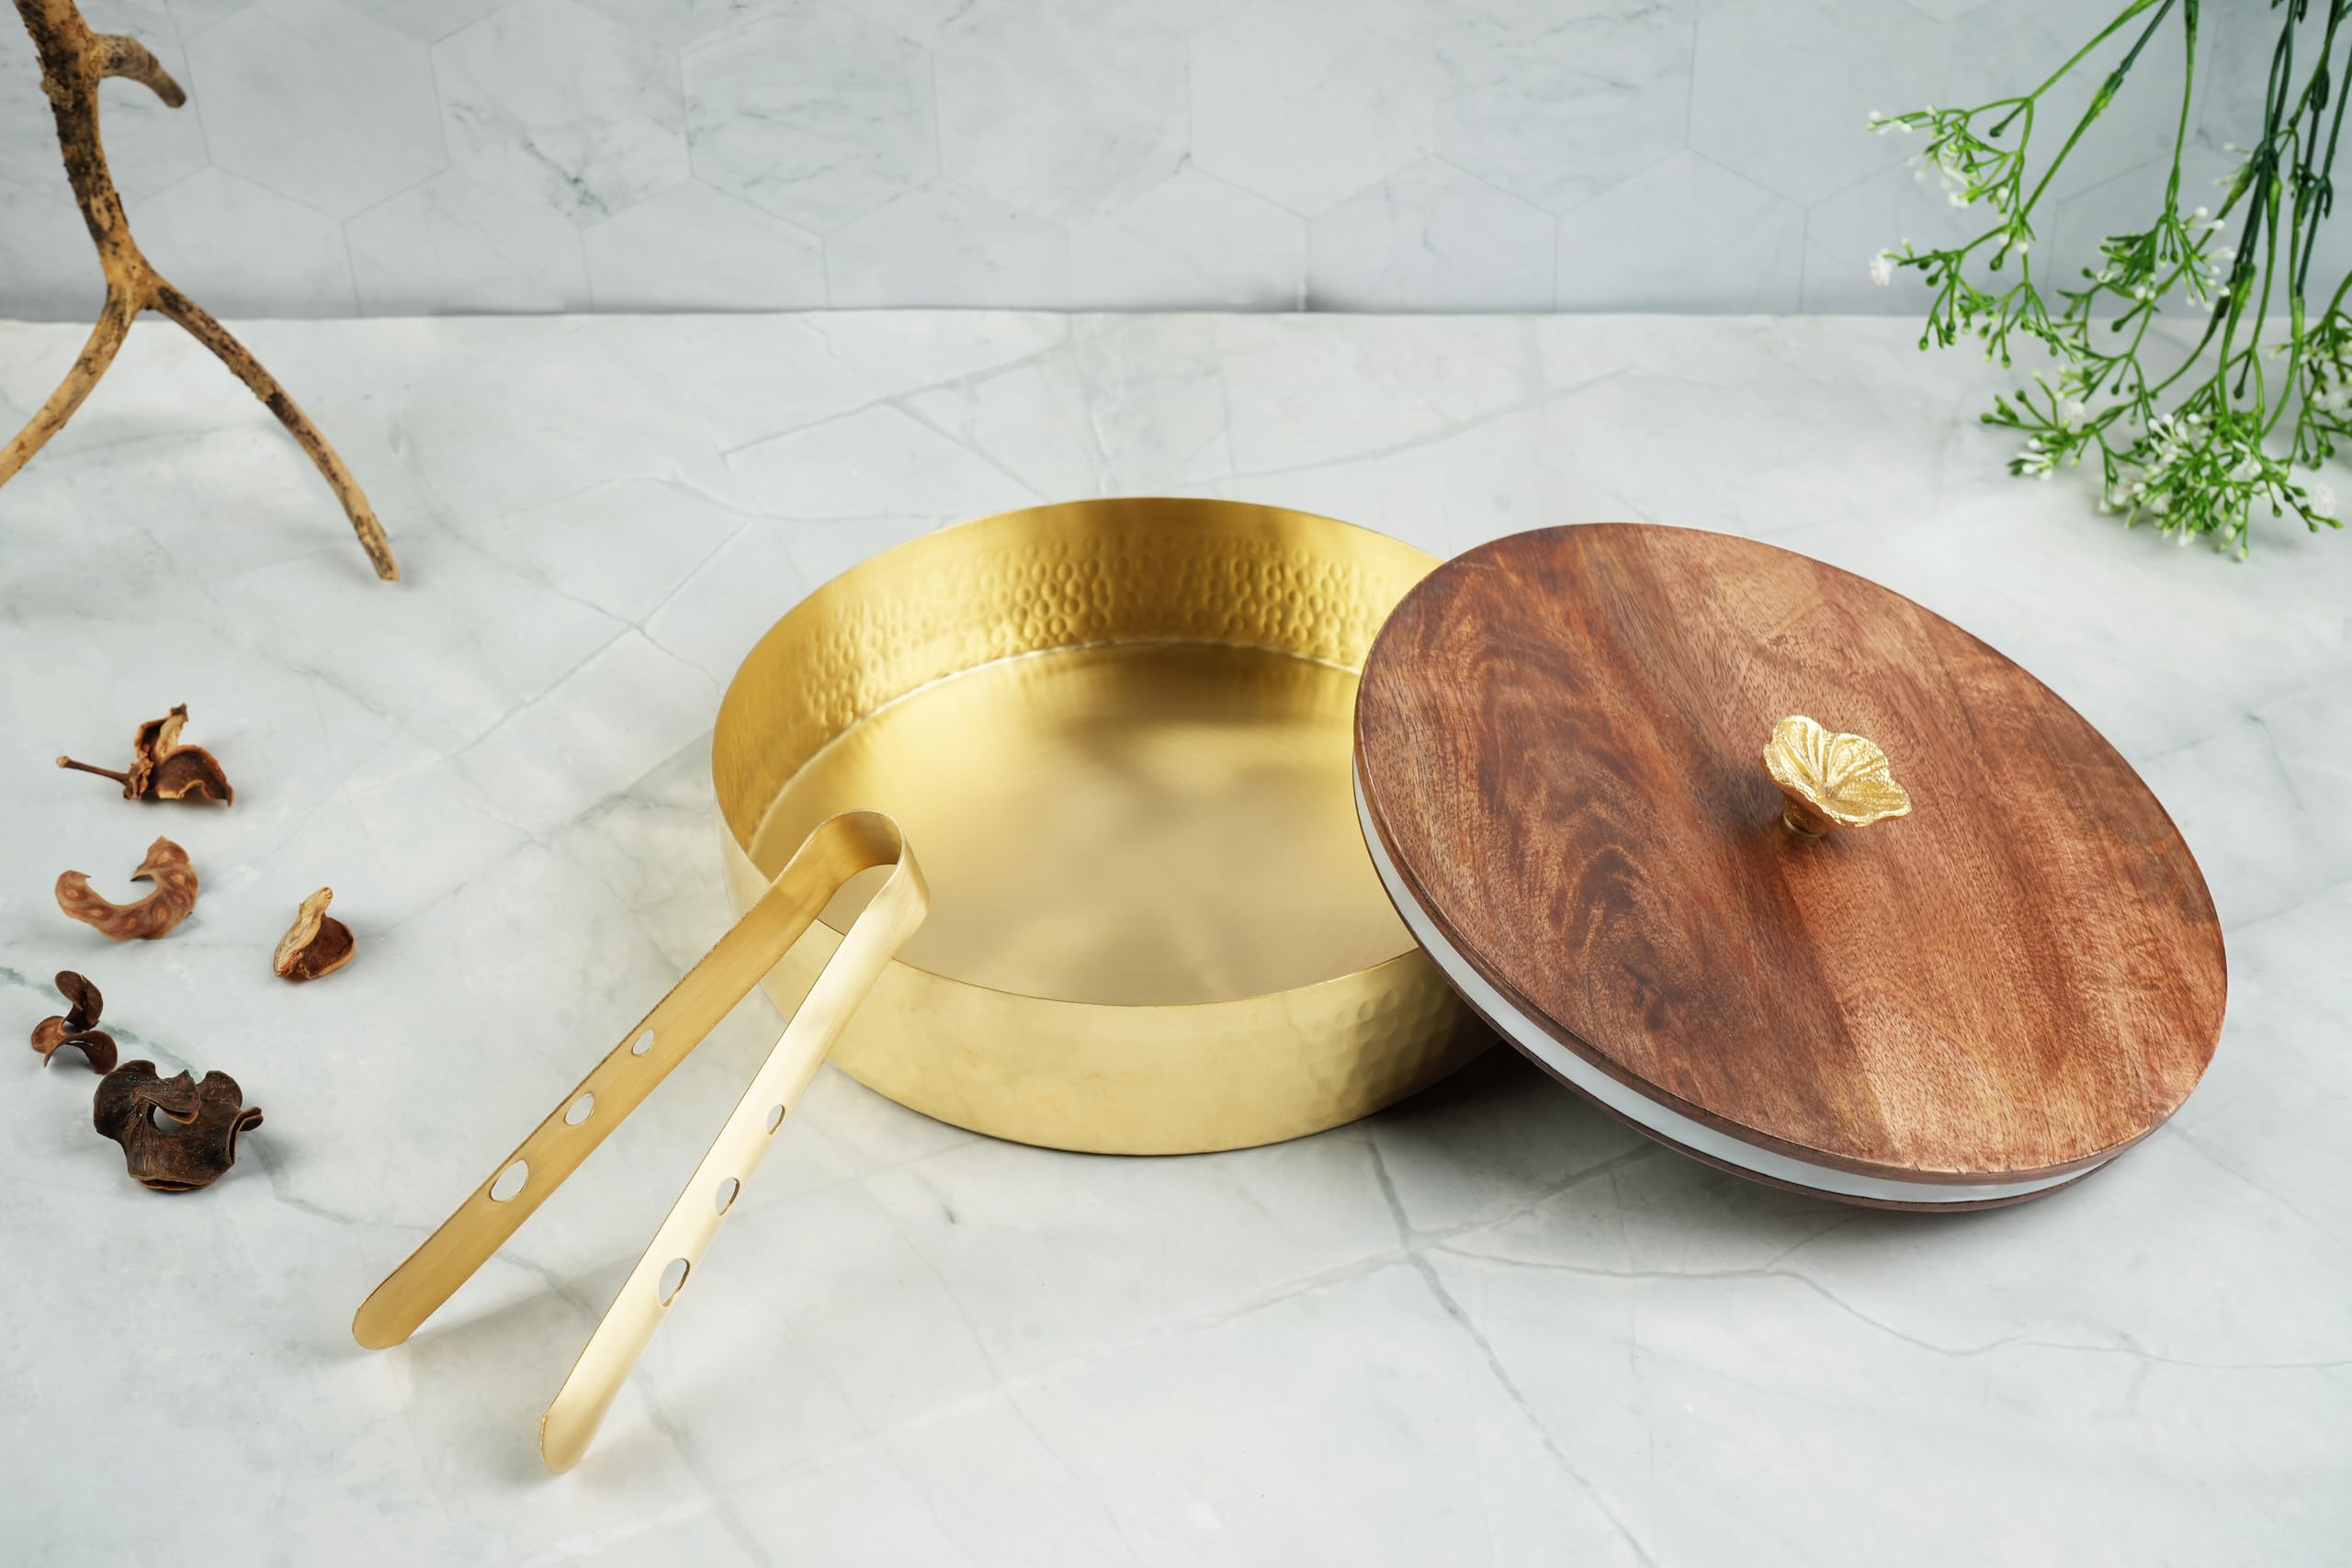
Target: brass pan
(1119, 732)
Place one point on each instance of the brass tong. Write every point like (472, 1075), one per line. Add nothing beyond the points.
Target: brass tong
(838, 850)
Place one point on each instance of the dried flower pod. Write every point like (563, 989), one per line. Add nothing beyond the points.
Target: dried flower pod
(177, 1134)
(78, 1027)
(317, 943)
(155, 738)
(162, 768)
(166, 866)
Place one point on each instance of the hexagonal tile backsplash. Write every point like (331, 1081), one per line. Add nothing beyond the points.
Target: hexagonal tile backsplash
(417, 156)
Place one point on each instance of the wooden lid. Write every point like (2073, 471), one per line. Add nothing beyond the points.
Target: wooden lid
(1559, 743)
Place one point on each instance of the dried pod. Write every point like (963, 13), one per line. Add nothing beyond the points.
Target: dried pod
(190, 773)
(78, 1027)
(166, 866)
(162, 768)
(317, 943)
(155, 738)
(177, 1134)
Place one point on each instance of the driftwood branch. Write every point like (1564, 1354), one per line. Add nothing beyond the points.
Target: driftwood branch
(119, 56)
(74, 61)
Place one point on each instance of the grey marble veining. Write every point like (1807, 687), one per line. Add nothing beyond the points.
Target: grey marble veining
(546, 102)
(421, 156)
(817, 116)
(1489, 1325)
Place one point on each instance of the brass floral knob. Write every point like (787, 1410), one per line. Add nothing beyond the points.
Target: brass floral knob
(1831, 780)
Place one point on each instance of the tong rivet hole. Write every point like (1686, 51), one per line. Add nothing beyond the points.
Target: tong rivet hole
(580, 1110)
(674, 1279)
(775, 1117)
(510, 1181)
(724, 1199)
(644, 1044)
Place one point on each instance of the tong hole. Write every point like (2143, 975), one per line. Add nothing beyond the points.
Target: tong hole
(580, 1110)
(510, 1181)
(775, 1117)
(674, 1279)
(644, 1044)
(724, 1199)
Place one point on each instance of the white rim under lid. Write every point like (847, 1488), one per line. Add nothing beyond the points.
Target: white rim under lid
(1639, 1109)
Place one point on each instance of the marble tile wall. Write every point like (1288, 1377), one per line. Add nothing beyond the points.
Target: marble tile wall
(380, 157)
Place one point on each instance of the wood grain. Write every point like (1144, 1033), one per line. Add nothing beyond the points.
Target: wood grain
(1558, 735)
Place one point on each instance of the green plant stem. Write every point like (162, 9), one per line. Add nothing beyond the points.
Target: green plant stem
(2108, 31)
(2186, 451)
(2100, 99)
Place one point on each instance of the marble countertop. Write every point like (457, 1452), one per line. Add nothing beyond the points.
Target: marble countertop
(1489, 1325)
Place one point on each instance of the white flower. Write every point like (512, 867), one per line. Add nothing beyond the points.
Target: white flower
(1882, 270)
(2319, 500)
(2070, 413)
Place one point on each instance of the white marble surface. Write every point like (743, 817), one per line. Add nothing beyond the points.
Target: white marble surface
(1489, 1326)
(395, 157)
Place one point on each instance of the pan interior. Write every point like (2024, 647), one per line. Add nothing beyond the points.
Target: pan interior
(1136, 823)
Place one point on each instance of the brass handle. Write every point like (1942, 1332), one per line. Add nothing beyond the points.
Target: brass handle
(1830, 780)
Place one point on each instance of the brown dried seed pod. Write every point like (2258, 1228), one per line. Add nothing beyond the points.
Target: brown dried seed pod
(83, 1001)
(166, 866)
(78, 1027)
(98, 1046)
(317, 943)
(162, 768)
(190, 774)
(155, 736)
(177, 1134)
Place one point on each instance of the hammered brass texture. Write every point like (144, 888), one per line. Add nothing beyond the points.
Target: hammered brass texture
(1120, 731)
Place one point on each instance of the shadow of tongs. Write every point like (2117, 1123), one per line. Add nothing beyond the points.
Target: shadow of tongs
(837, 851)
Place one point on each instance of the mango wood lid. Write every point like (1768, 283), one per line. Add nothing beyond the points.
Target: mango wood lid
(1559, 765)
